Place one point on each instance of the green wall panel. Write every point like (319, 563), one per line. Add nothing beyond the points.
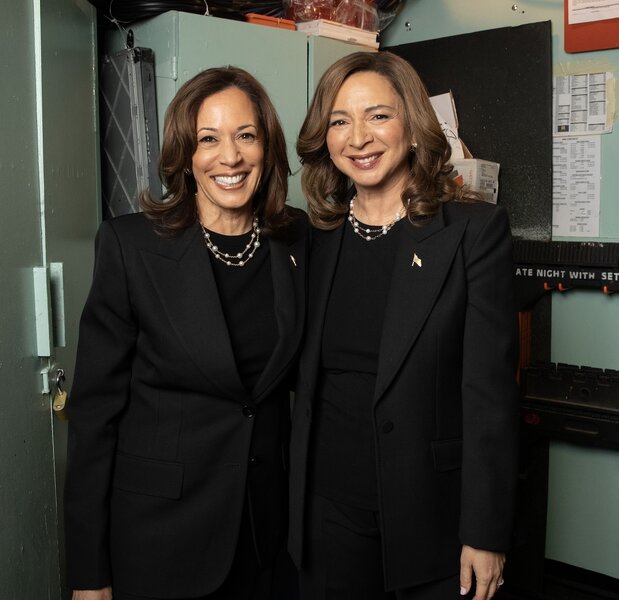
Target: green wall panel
(582, 508)
(583, 490)
(322, 53)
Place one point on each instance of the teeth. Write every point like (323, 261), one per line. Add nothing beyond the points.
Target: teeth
(366, 159)
(223, 180)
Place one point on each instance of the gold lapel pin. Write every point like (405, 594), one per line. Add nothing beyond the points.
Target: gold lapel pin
(416, 261)
(294, 262)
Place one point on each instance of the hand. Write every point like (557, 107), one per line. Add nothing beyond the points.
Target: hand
(487, 568)
(102, 594)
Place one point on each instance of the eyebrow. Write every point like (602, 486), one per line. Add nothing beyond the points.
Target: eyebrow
(366, 110)
(239, 128)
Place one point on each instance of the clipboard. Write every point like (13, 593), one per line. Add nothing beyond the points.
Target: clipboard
(585, 37)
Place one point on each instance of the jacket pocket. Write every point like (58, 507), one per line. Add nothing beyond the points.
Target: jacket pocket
(447, 454)
(149, 477)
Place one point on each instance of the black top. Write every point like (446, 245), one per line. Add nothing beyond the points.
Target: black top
(246, 295)
(344, 466)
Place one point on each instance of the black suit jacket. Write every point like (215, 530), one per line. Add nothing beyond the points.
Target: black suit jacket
(445, 404)
(165, 443)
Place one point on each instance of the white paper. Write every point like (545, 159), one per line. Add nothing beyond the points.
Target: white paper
(576, 186)
(585, 11)
(580, 104)
(480, 175)
(445, 109)
(445, 106)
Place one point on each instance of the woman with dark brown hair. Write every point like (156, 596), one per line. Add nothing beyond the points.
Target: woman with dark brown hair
(404, 439)
(179, 414)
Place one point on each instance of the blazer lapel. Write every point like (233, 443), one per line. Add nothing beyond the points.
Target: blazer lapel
(422, 262)
(288, 274)
(181, 272)
(323, 261)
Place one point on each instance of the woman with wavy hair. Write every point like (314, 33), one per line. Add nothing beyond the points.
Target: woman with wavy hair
(404, 440)
(179, 417)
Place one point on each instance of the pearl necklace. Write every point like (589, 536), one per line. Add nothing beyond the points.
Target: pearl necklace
(240, 259)
(370, 234)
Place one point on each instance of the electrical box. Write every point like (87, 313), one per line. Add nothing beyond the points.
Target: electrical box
(130, 140)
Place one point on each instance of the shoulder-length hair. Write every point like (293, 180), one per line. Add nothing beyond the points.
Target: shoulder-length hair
(177, 209)
(429, 183)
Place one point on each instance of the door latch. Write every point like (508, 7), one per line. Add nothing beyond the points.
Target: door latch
(60, 396)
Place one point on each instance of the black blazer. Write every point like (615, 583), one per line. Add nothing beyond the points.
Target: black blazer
(161, 429)
(445, 403)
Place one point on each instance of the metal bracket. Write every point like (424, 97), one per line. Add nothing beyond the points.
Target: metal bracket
(45, 380)
(42, 311)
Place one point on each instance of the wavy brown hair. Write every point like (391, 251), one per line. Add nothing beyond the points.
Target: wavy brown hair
(177, 209)
(429, 183)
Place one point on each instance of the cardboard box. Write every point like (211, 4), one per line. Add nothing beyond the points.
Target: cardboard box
(480, 175)
(338, 31)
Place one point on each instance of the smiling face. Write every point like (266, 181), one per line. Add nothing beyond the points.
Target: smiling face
(228, 161)
(366, 138)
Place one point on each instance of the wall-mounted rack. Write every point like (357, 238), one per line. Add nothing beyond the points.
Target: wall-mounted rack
(542, 267)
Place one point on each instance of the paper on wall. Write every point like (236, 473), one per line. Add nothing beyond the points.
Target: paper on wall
(586, 11)
(580, 104)
(576, 186)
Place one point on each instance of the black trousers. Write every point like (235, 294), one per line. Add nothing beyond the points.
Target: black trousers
(247, 580)
(343, 558)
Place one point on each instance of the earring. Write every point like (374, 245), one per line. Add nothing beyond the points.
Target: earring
(187, 172)
(413, 147)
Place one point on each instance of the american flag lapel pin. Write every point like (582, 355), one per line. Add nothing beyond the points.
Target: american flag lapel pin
(416, 261)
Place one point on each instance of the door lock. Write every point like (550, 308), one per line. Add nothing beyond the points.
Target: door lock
(60, 396)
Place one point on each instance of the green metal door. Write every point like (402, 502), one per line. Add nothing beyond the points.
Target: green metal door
(71, 206)
(48, 162)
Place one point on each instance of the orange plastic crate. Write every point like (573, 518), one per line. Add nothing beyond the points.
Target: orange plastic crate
(270, 21)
